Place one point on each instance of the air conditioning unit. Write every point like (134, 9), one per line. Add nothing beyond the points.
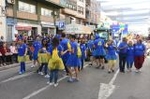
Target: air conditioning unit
(11, 1)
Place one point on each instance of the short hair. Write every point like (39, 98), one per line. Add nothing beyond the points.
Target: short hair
(63, 35)
(73, 36)
(55, 42)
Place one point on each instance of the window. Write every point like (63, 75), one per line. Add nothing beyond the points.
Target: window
(81, 0)
(80, 10)
(46, 12)
(27, 7)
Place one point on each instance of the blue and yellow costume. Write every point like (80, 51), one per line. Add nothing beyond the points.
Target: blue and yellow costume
(21, 57)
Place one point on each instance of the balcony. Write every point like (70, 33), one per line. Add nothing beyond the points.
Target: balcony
(69, 11)
(26, 15)
(47, 19)
(81, 16)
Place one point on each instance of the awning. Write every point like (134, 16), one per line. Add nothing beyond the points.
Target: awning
(26, 28)
(77, 29)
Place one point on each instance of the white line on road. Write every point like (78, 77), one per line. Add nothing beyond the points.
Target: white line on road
(114, 78)
(44, 88)
(16, 77)
(106, 90)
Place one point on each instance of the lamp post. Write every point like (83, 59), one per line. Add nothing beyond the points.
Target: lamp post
(55, 15)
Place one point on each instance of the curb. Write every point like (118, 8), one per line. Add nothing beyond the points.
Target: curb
(12, 66)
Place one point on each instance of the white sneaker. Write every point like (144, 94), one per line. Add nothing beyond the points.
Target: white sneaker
(55, 85)
(41, 73)
(49, 83)
(47, 76)
(32, 66)
(137, 71)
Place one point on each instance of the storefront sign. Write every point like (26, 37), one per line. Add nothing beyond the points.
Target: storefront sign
(26, 28)
(11, 21)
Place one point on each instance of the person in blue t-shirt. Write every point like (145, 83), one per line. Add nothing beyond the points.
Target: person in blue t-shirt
(22, 52)
(139, 53)
(64, 43)
(73, 61)
(99, 51)
(90, 51)
(83, 50)
(122, 54)
(37, 46)
(130, 55)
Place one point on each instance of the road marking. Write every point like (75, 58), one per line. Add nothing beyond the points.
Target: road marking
(7, 68)
(114, 78)
(106, 90)
(17, 77)
(44, 88)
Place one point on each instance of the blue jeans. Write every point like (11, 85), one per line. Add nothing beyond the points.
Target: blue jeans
(129, 64)
(22, 67)
(53, 76)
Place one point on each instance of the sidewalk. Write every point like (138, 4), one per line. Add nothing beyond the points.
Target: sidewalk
(12, 65)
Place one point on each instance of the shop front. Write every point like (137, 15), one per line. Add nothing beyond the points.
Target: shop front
(48, 28)
(29, 30)
(77, 29)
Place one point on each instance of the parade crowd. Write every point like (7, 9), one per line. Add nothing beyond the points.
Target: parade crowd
(61, 52)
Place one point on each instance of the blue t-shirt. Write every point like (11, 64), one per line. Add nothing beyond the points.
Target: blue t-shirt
(37, 46)
(22, 49)
(111, 50)
(90, 44)
(99, 47)
(83, 49)
(64, 44)
(130, 51)
(124, 50)
(139, 49)
(74, 46)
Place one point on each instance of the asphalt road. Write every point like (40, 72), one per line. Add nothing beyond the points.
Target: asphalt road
(33, 86)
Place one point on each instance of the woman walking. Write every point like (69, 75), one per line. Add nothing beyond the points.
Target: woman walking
(140, 50)
(130, 56)
(55, 63)
(111, 55)
(73, 61)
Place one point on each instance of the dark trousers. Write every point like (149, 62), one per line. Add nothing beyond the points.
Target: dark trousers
(66, 68)
(15, 58)
(45, 68)
(122, 61)
(53, 76)
(82, 63)
(9, 59)
(138, 62)
(3, 59)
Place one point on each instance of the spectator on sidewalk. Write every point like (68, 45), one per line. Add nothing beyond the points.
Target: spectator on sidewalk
(13, 50)
(2, 51)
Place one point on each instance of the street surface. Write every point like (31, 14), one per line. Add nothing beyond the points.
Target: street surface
(33, 86)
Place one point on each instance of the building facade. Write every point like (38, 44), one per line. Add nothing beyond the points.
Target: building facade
(93, 13)
(28, 17)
